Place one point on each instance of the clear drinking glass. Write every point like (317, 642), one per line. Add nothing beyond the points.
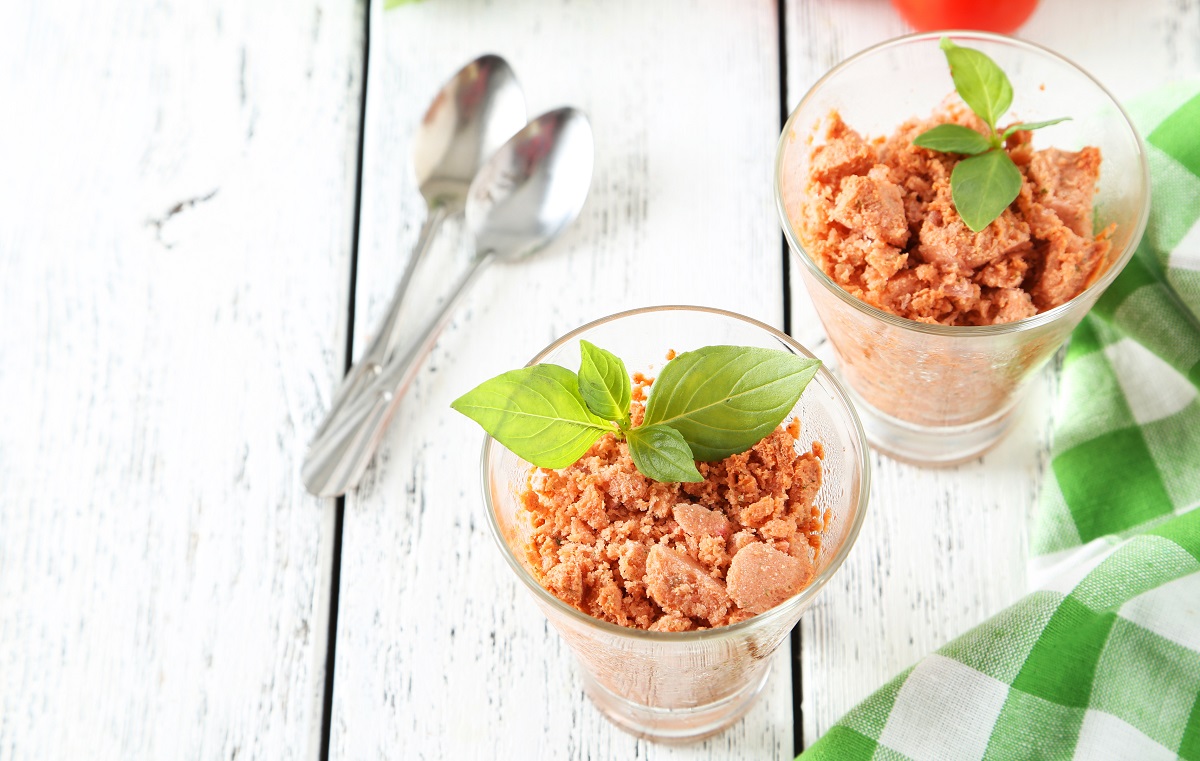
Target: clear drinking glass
(677, 686)
(936, 394)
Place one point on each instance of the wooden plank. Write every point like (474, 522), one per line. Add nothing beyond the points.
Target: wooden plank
(943, 549)
(177, 210)
(439, 653)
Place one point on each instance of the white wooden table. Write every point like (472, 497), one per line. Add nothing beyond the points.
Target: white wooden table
(203, 207)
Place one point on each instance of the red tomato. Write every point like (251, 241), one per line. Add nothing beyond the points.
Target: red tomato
(988, 15)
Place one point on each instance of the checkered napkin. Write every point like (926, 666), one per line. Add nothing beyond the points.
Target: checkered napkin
(1103, 661)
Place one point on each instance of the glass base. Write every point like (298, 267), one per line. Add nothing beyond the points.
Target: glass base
(674, 725)
(933, 445)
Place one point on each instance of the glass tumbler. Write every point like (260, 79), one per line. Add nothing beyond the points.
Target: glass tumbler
(937, 394)
(681, 686)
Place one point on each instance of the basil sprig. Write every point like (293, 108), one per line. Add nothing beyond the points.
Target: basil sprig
(726, 399)
(984, 184)
(604, 383)
(538, 413)
(705, 405)
(662, 453)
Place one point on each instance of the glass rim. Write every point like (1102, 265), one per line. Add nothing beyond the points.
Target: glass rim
(966, 331)
(781, 611)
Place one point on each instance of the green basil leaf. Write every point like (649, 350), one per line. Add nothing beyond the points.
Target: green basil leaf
(953, 138)
(979, 82)
(537, 413)
(726, 399)
(661, 453)
(983, 186)
(603, 382)
(1030, 126)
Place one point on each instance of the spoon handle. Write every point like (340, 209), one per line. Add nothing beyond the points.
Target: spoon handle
(387, 333)
(338, 456)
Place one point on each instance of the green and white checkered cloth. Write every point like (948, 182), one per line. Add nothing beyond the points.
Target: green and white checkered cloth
(1103, 661)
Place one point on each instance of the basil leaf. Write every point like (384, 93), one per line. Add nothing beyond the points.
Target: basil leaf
(953, 138)
(979, 82)
(603, 382)
(983, 186)
(726, 399)
(537, 413)
(661, 453)
(1030, 126)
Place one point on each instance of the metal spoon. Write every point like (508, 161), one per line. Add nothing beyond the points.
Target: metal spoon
(472, 115)
(523, 198)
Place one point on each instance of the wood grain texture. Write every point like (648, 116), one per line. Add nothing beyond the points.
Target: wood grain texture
(943, 549)
(440, 654)
(177, 204)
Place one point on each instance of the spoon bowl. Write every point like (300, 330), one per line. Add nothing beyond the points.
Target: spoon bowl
(533, 186)
(474, 113)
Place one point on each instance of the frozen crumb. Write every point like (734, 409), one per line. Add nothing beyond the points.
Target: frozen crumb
(672, 623)
(761, 577)
(640, 384)
(794, 428)
(605, 539)
(682, 587)
(699, 521)
(880, 220)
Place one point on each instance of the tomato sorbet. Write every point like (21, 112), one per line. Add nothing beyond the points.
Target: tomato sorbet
(879, 219)
(674, 557)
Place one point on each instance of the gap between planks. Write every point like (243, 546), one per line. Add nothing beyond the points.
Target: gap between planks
(795, 641)
(339, 519)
